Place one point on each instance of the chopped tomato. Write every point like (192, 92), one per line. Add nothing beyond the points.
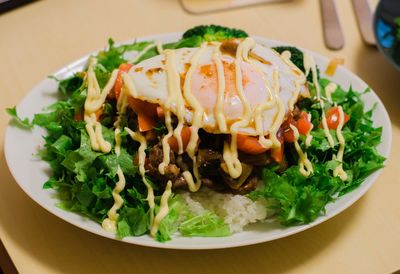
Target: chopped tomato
(160, 112)
(146, 112)
(249, 144)
(302, 124)
(118, 82)
(185, 135)
(278, 153)
(332, 117)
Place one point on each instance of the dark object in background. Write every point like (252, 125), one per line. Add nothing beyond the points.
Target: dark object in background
(6, 5)
(387, 30)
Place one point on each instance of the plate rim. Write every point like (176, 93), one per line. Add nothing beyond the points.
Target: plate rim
(69, 68)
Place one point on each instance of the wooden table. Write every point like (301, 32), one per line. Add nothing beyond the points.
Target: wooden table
(39, 38)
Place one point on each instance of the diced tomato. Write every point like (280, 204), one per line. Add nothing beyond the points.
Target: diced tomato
(118, 82)
(332, 117)
(185, 135)
(302, 124)
(287, 131)
(249, 144)
(278, 153)
(160, 112)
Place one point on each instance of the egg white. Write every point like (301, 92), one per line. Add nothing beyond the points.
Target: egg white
(150, 81)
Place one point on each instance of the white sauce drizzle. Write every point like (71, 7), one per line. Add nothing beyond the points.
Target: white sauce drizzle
(174, 97)
(331, 87)
(160, 48)
(339, 157)
(94, 101)
(196, 122)
(230, 153)
(219, 108)
(309, 63)
(109, 223)
(163, 211)
(141, 53)
(305, 166)
(142, 156)
(309, 137)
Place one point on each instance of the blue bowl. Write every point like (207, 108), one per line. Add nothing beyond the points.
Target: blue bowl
(387, 30)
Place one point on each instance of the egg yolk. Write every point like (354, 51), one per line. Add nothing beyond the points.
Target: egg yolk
(205, 87)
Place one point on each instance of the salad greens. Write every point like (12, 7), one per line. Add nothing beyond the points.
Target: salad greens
(84, 179)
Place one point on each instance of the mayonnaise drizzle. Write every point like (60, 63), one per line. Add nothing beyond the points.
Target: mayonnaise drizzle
(160, 48)
(309, 63)
(174, 97)
(339, 157)
(219, 108)
(331, 87)
(196, 122)
(163, 211)
(109, 223)
(94, 101)
(230, 153)
(309, 137)
(141, 53)
(142, 157)
(305, 166)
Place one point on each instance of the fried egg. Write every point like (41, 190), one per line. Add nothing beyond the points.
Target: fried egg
(151, 84)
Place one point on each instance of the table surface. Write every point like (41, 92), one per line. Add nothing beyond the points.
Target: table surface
(41, 37)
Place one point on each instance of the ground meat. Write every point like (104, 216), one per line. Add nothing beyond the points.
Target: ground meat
(209, 162)
(179, 183)
(155, 157)
(248, 186)
(261, 159)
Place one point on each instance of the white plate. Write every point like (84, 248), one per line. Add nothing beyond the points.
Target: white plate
(30, 172)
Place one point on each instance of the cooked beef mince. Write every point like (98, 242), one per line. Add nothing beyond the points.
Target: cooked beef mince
(211, 141)
(155, 157)
(255, 159)
(209, 162)
(209, 159)
(248, 186)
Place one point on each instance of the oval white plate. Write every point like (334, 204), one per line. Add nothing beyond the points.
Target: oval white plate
(30, 172)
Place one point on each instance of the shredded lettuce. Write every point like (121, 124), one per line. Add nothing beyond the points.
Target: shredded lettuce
(300, 200)
(24, 123)
(84, 179)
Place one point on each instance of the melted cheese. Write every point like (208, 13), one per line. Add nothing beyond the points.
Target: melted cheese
(163, 211)
(339, 157)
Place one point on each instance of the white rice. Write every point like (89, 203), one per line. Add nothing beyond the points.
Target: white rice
(236, 210)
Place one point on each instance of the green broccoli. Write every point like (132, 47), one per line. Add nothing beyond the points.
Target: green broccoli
(214, 33)
(297, 58)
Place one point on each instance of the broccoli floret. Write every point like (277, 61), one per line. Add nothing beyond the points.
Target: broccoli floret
(297, 58)
(214, 33)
